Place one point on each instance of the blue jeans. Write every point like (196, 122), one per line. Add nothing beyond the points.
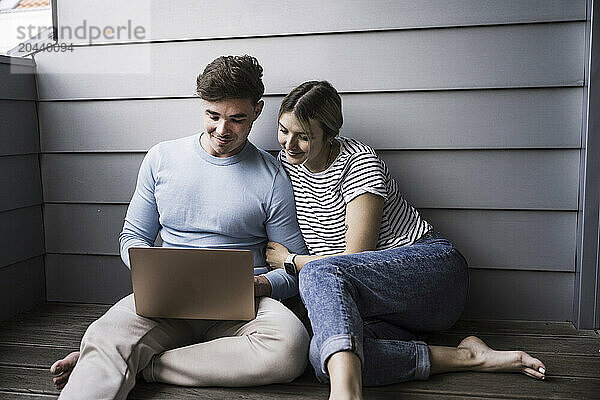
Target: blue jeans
(379, 304)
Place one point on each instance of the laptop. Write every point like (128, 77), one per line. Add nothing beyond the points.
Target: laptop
(171, 282)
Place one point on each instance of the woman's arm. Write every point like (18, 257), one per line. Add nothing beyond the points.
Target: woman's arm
(363, 220)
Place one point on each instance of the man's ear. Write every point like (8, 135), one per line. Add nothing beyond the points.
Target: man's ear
(258, 109)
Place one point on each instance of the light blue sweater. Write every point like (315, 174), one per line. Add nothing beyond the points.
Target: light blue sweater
(196, 200)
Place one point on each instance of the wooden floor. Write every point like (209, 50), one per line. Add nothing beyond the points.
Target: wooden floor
(30, 342)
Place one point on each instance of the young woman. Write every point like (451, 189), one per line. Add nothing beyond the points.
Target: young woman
(378, 276)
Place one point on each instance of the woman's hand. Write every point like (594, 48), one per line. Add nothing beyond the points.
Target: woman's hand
(276, 254)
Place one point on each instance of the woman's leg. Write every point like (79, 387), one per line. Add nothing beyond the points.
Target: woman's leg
(421, 287)
(272, 348)
(472, 354)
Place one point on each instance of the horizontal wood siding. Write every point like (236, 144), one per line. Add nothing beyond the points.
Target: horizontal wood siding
(543, 240)
(18, 82)
(520, 295)
(22, 286)
(525, 240)
(222, 18)
(520, 179)
(21, 226)
(498, 293)
(84, 228)
(82, 278)
(21, 234)
(18, 128)
(472, 119)
(20, 182)
(474, 106)
(474, 57)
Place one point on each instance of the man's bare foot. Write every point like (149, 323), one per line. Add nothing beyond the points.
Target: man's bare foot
(487, 359)
(61, 369)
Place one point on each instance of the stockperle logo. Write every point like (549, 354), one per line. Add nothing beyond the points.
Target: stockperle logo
(87, 32)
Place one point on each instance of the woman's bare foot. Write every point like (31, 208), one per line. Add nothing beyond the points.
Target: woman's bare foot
(61, 369)
(486, 359)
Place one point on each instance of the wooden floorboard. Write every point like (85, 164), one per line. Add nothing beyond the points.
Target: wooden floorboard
(4, 395)
(534, 328)
(37, 381)
(517, 386)
(31, 342)
(31, 356)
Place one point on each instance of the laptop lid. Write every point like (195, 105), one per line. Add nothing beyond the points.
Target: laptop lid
(172, 282)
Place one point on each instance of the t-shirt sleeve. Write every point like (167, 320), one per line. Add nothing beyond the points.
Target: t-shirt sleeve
(282, 227)
(365, 174)
(142, 221)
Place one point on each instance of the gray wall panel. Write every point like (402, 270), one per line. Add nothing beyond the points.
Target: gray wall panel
(18, 82)
(90, 177)
(93, 279)
(474, 57)
(516, 179)
(511, 239)
(521, 118)
(83, 228)
(22, 286)
(529, 295)
(503, 179)
(526, 240)
(18, 128)
(494, 293)
(20, 181)
(162, 20)
(22, 282)
(21, 234)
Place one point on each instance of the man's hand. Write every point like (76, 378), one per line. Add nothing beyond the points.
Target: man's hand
(276, 254)
(262, 286)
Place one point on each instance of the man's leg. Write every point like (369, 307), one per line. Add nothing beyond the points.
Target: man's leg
(272, 348)
(116, 347)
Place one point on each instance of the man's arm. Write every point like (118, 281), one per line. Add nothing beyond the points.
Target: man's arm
(141, 222)
(262, 286)
(282, 227)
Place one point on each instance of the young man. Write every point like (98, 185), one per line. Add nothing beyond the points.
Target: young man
(213, 189)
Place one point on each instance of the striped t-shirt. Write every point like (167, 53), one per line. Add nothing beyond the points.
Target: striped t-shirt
(321, 200)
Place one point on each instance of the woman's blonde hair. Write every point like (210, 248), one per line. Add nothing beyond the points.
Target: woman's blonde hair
(316, 100)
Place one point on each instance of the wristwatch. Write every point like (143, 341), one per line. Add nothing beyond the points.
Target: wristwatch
(289, 265)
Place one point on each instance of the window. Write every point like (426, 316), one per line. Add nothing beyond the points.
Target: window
(23, 24)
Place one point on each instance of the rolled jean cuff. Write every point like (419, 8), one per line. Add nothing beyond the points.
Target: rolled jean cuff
(423, 362)
(337, 343)
(148, 372)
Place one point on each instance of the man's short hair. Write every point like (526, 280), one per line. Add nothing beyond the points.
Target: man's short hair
(231, 77)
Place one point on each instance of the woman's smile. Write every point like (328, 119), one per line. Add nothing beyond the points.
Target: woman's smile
(294, 153)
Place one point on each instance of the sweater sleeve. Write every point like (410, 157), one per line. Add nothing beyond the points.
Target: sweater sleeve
(141, 221)
(282, 227)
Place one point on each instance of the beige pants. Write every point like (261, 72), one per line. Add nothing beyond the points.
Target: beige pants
(272, 348)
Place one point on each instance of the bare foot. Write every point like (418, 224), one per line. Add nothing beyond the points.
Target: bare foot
(490, 360)
(61, 369)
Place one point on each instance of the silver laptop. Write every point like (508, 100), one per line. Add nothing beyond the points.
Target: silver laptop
(172, 282)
